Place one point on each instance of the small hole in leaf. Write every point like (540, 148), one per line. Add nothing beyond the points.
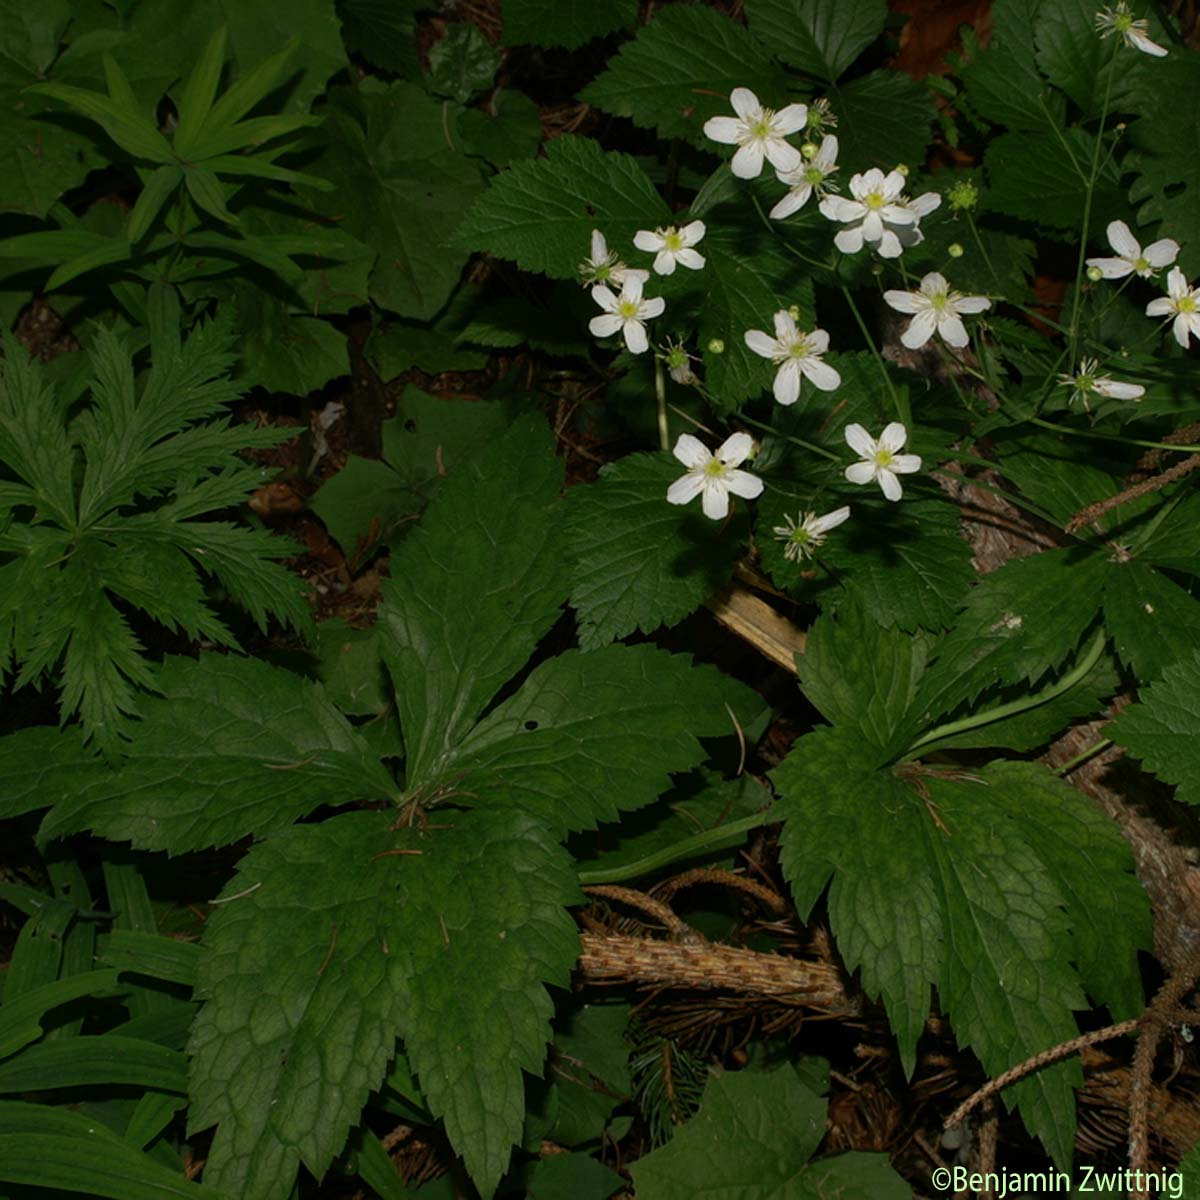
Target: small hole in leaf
(410, 426)
(531, 725)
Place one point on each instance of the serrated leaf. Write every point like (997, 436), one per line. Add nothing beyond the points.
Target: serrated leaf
(752, 1138)
(590, 735)
(1017, 624)
(504, 132)
(1151, 620)
(383, 32)
(471, 610)
(819, 37)
(1163, 729)
(462, 63)
(232, 747)
(679, 70)
(40, 761)
(884, 118)
(565, 23)
(639, 562)
(541, 213)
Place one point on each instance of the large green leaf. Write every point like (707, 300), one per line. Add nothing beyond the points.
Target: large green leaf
(541, 213)
(639, 562)
(566, 23)
(679, 70)
(884, 118)
(1152, 620)
(820, 37)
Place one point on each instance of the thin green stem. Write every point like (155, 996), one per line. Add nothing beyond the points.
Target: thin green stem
(1113, 437)
(660, 394)
(1013, 707)
(899, 402)
(787, 437)
(1083, 757)
(708, 842)
(775, 231)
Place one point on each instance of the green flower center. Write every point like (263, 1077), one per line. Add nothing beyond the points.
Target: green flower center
(761, 129)
(1186, 305)
(1140, 264)
(938, 301)
(874, 200)
(799, 348)
(1123, 22)
(882, 458)
(714, 468)
(676, 358)
(627, 310)
(673, 240)
(814, 175)
(800, 536)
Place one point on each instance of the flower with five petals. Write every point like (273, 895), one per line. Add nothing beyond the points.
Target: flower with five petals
(672, 247)
(1131, 257)
(627, 312)
(1182, 302)
(880, 458)
(797, 354)
(1118, 19)
(811, 176)
(937, 308)
(802, 538)
(713, 476)
(758, 132)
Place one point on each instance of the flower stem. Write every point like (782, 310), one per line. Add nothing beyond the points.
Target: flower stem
(900, 402)
(1083, 757)
(660, 394)
(711, 840)
(975, 720)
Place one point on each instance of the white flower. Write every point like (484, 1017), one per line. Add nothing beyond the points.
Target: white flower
(800, 539)
(1183, 302)
(879, 215)
(807, 178)
(758, 131)
(1085, 382)
(936, 308)
(714, 476)
(604, 266)
(672, 246)
(1118, 19)
(798, 353)
(879, 458)
(627, 312)
(1130, 255)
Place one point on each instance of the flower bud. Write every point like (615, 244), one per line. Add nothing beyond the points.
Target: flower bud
(955, 250)
(810, 149)
(902, 168)
(794, 312)
(1095, 274)
(716, 346)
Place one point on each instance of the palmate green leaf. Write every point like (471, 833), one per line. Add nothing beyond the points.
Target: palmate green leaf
(589, 735)
(231, 747)
(639, 562)
(752, 1139)
(819, 37)
(402, 195)
(996, 886)
(1163, 729)
(450, 645)
(66, 1151)
(679, 70)
(462, 64)
(565, 23)
(541, 213)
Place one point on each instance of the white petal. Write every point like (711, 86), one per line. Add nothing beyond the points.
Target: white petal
(1144, 44)
(605, 326)
(818, 341)
(831, 520)
(691, 451)
(1122, 240)
(630, 273)
(742, 483)
(951, 330)
(905, 302)
(889, 244)
(894, 436)
(868, 181)
(1161, 253)
(631, 288)
(686, 487)
(1111, 268)
(785, 327)
(791, 119)
(934, 284)
(735, 449)
(872, 226)
(786, 387)
(893, 185)
(745, 103)
(747, 162)
(898, 214)
(782, 156)
(1181, 328)
(827, 157)
(890, 485)
(599, 247)
(860, 472)
(761, 343)
(1177, 284)
(905, 464)
(838, 208)
(664, 263)
(859, 440)
(649, 309)
(715, 499)
(821, 373)
(794, 201)
(605, 297)
(1162, 307)
(1115, 390)
(924, 204)
(972, 304)
(635, 337)
(692, 259)
(648, 240)
(693, 232)
(725, 130)
(850, 240)
(920, 329)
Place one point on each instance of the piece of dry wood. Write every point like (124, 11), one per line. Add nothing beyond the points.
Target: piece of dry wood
(753, 620)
